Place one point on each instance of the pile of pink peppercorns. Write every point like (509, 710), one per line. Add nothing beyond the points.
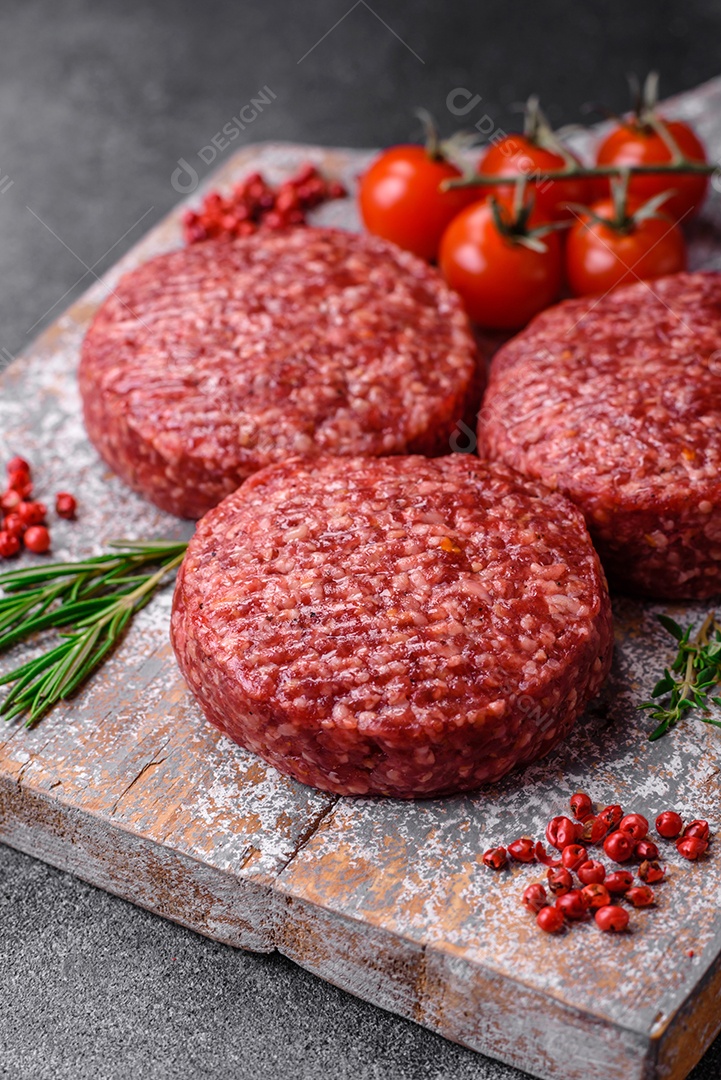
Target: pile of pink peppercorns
(624, 838)
(24, 522)
(254, 204)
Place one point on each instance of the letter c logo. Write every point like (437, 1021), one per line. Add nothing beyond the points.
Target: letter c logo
(471, 100)
(181, 185)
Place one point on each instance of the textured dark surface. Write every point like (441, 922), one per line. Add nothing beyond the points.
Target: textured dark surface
(98, 103)
(95, 987)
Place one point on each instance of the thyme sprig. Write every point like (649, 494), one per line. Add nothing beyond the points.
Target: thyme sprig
(89, 603)
(695, 672)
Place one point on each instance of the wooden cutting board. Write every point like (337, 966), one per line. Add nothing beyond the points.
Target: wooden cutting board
(130, 789)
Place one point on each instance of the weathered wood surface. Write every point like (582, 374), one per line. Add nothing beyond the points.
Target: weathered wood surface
(128, 787)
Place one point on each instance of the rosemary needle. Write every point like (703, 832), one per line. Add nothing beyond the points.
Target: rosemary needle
(89, 603)
(692, 676)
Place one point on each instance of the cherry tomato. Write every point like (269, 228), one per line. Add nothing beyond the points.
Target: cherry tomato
(635, 143)
(502, 282)
(599, 257)
(516, 155)
(400, 199)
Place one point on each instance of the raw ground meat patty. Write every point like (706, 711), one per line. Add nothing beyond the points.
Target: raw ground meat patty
(395, 626)
(208, 363)
(617, 403)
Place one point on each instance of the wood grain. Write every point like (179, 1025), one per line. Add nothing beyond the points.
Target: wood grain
(129, 788)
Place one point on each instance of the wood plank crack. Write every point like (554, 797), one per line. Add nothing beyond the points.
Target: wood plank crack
(34, 757)
(251, 852)
(148, 765)
(308, 833)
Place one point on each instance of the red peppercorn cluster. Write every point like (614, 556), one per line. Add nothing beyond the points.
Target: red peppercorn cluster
(624, 838)
(24, 522)
(254, 204)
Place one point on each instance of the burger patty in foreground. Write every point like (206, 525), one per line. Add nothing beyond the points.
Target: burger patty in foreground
(211, 362)
(617, 403)
(395, 626)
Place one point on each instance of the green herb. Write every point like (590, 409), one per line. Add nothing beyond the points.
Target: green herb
(90, 603)
(695, 672)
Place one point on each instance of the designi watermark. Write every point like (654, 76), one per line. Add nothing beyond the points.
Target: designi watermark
(185, 178)
(460, 102)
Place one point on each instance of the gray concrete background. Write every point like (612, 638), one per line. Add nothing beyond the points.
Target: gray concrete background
(98, 101)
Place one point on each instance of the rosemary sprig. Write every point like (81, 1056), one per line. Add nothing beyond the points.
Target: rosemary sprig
(694, 673)
(90, 603)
